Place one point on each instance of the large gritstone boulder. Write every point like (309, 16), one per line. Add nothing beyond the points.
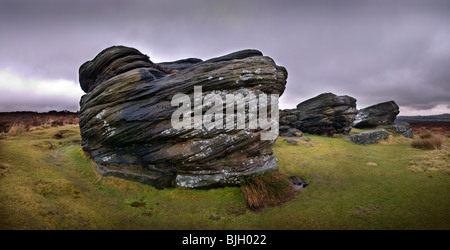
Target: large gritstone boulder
(126, 114)
(376, 115)
(325, 114)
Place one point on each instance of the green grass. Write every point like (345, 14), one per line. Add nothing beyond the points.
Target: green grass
(56, 187)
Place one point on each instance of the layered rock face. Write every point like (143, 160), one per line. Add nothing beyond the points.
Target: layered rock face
(325, 114)
(125, 118)
(376, 115)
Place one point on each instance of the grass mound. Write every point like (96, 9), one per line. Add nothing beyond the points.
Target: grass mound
(267, 190)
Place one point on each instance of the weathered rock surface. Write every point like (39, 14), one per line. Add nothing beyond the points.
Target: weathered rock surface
(180, 64)
(376, 115)
(368, 137)
(289, 132)
(291, 141)
(125, 118)
(325, 114)
(402, 128)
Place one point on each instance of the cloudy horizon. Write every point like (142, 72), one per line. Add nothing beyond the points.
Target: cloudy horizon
(374, 51)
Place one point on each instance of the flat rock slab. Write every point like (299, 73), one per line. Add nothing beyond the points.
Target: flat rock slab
(368, 137)
(291, 141)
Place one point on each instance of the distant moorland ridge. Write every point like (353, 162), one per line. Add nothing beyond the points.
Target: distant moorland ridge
(419, 118)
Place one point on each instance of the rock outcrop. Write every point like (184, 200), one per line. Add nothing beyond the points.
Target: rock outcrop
(368, 137)
(402, 128)
(376, 115)
(125, 118)
(325, 114)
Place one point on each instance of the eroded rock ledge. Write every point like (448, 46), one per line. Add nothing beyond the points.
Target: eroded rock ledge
(125, 118)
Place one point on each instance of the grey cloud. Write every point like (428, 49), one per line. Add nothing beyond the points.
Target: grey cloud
(361, 48)
(28, 101)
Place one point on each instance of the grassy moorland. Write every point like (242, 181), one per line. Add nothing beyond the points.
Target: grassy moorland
(47, 183)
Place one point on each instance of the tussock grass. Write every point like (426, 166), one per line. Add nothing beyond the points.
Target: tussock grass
(429, 142)
(267, 190)
(17, 129)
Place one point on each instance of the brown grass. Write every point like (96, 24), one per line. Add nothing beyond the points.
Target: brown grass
(270, 189)
(33, 120)
(421, 128)
(429, 141)
(431, 161)
(426, 136)
(17, 129)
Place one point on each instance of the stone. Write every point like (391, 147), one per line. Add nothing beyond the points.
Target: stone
(368, 137)
(289, 132)
(291, 141)
(376, 115)
(402, 128)
(125, 118)
(325, 114)
(298, 183)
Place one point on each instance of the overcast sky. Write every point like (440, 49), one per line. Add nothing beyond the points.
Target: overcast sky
(375, 51)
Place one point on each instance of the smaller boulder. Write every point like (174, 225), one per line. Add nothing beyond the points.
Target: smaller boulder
(291, 141)
(403, 129)
(305, 138)
(298, 183)
(326, 114)
(368, 137)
